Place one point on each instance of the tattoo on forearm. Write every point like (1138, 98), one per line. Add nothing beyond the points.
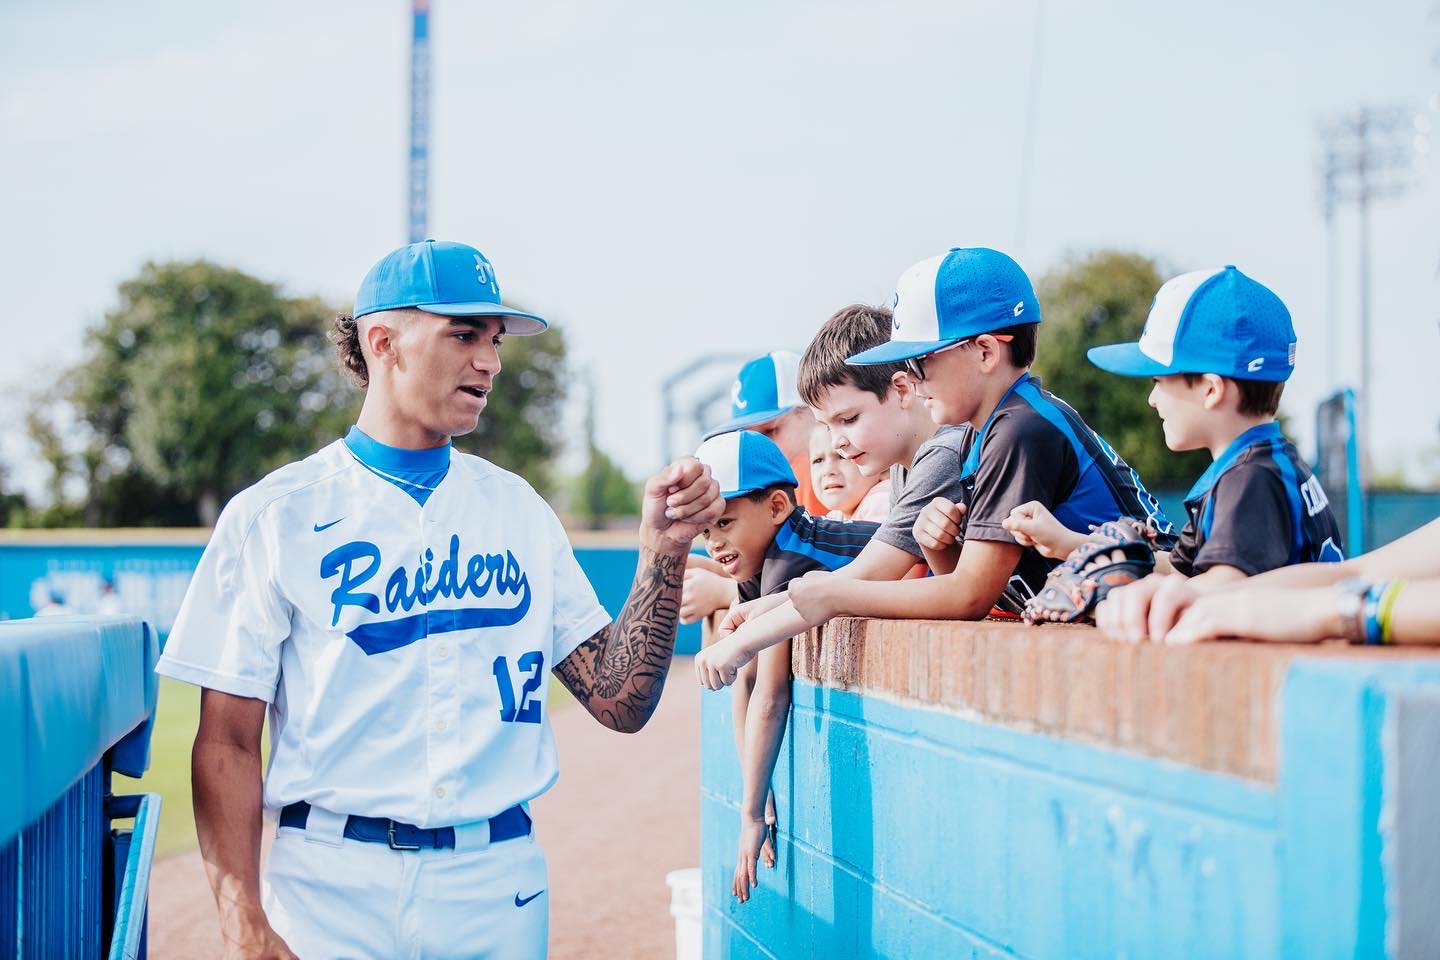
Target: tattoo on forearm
(619, 673)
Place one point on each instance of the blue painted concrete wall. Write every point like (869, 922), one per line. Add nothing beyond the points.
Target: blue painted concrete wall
(908, 832)
(150, 579)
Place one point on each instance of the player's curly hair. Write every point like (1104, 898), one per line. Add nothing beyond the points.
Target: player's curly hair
(345, 334)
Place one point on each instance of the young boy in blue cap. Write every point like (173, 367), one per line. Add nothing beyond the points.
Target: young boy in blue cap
(763, 399)
(1220, 347)
(965, 325)
(764, 540)
(878, 422)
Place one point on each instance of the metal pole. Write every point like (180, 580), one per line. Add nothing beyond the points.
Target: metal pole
(1365, 152)
(1367, 399)
(418, 199)
(1027, 157)
(1332, 258)
(1355, 506)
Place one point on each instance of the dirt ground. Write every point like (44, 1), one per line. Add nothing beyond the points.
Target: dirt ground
(624, 813)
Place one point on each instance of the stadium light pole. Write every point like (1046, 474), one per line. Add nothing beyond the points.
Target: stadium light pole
(1027, 155)
(418, 193)
(1332, 258)
(1364, 152)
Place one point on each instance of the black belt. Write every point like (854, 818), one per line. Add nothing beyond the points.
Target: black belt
(506, 825)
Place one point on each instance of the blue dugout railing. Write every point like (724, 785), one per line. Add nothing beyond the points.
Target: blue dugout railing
(77, 698)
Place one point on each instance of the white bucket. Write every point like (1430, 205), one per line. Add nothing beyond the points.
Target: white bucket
(685, 907)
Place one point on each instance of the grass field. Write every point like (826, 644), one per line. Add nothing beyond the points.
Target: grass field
(176, 716)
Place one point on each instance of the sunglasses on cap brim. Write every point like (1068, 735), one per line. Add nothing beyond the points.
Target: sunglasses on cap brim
(916, 365)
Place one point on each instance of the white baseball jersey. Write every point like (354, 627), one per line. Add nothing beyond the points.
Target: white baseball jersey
(403, 641)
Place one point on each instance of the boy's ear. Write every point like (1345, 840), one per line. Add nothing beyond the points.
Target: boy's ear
(904, 387)
(991, 352)
(780, 506)
(1216, 390)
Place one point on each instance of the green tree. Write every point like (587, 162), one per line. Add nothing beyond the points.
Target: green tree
(203, 379)
(603, 491)
(14, 508)
(199, 382)
(1104, 298)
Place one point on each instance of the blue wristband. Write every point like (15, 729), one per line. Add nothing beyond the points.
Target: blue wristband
(1371, 609)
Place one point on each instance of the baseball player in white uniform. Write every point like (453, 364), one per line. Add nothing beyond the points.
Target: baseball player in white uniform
(397, 608)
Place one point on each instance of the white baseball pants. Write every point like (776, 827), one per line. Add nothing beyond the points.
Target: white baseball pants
(331, 897)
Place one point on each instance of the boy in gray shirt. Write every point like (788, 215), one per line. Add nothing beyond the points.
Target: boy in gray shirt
(934, 472)
(878, 423)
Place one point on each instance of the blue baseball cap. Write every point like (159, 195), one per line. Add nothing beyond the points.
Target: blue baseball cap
(1210, 321)
(744, 461)
(763, 390)
(437, 276)
(942, 300)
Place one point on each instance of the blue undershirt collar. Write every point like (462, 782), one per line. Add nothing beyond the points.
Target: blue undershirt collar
(373, 453)
(417, 472)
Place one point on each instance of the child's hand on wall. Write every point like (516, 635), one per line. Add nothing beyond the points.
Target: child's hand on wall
(703, 592)
(741, 613)
(1145, 610)
(818, 595)
(1280, 614)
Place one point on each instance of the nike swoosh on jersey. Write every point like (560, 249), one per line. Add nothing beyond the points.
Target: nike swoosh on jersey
(383, 636)
(326, 526)
(520, 903)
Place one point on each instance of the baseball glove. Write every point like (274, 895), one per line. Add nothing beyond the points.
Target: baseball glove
(1117, 553)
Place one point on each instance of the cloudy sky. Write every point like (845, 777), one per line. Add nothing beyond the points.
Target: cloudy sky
(667, 180)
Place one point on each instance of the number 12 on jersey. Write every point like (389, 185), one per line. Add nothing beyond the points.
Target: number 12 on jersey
(528, 709)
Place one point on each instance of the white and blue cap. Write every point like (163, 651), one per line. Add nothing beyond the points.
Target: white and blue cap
(763, 390)
(943, 300)
(1210, 321)
(744, 461)
(437, 276)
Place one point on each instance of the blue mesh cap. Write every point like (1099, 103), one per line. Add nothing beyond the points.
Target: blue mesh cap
(1210, 321)
(763, 390)
(437, 276)
(743, 461)
(942, 300)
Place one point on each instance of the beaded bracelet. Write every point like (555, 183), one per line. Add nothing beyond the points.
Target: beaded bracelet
(1370, 612)
(1387, 608)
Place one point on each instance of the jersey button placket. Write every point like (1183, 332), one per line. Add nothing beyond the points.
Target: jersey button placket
(444, 664)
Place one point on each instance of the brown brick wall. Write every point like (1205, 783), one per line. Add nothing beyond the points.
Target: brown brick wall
(1212, 706)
